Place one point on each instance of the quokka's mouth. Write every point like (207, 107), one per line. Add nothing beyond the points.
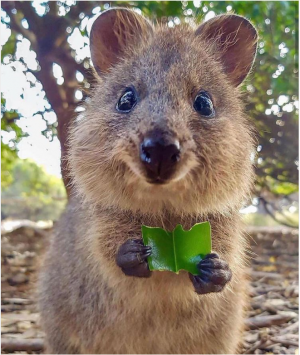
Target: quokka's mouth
(157, 181)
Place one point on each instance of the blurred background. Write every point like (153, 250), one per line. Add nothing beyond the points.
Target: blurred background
(46, 75)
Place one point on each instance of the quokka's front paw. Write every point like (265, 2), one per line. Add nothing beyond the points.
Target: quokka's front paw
(132, 258)
(214, 275)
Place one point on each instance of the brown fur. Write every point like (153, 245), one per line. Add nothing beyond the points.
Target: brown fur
(87, 304)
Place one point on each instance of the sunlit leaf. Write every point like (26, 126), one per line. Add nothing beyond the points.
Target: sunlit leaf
(179, 249)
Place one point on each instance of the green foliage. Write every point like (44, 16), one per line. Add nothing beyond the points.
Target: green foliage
(179, 249)
(8, 157)
(33, 194)
(281, 188)
(9, 150)
(9, 47)
(157, 10)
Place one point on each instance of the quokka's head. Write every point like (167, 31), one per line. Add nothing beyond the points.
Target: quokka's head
(165, 127)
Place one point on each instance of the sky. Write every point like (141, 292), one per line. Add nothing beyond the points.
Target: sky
(28, 97)
(36, 146)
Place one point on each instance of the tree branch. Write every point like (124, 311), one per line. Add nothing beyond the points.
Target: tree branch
(18, 28)
(271, 214)
(34, 21)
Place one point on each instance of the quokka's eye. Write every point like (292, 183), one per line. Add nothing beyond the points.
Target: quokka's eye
(204, 105)
(127, 101)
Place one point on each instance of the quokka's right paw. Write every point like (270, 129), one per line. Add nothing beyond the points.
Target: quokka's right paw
(132, 258)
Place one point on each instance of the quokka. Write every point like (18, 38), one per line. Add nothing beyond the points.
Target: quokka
(164, 141)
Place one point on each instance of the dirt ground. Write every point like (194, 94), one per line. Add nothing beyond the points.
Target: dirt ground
(272, 323)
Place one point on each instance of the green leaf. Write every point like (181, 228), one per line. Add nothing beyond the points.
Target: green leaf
(179, 249)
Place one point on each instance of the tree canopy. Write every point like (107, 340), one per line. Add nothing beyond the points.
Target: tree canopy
(48, 46)
(33, 194)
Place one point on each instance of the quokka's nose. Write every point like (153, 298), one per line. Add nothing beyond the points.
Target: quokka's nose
(159, 156)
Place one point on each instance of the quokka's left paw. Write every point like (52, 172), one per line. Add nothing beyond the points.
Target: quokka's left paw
(214, 274)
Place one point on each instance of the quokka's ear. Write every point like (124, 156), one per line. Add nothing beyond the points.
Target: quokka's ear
(235, 39)
(113, 33)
